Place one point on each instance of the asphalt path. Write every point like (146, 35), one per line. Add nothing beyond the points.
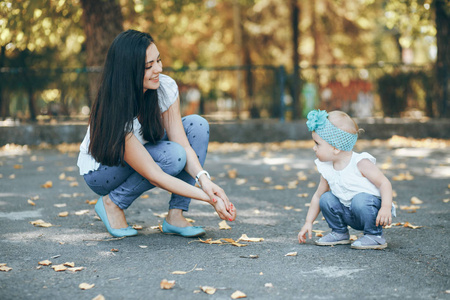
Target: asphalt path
(271, 186)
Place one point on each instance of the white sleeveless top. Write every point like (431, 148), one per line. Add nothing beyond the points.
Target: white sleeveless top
(348, 182)
(167, 95)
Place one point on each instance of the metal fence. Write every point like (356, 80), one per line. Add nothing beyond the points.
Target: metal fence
(228, 93)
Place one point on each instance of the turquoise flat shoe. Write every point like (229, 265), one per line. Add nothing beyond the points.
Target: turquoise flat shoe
(190, 231)
(121, 232)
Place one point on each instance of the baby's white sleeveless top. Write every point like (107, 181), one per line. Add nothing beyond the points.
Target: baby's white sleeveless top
(167, 95)
(348, 182)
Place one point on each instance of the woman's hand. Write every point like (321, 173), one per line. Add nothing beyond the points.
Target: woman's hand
(214, 191)
(224, 214)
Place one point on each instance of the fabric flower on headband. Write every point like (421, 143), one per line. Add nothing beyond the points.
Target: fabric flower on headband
(316, 119)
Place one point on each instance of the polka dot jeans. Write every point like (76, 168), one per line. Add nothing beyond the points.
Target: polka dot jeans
(124, 185)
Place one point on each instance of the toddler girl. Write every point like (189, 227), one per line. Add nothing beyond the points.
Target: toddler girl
(352, 190)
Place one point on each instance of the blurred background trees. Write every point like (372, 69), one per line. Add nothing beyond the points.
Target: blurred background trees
(231, 50)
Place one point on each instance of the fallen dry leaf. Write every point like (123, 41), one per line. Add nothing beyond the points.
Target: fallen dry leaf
(62, 176)
(59, 268)
(446, 200)
(267, 180)
(145, 196)
(232, 173)
(208, 289)
(291, 254)
(183, 272)
(143, 246)
(303, 195)
(74, 183)
(59, 205)
(114, 250)
(238, 295)
(403, 176)
(241, 181)
(268, 285)
(5, 268)
(238, 244)
(167, 285)
(47, 184)
(311, 184)
(45, 262)
(415, 200)
(245, 238)
(82, 212)
(407, 224)
(75, 269)
(86, 286)
(69, 264)
(31, 202)
(137, 227)
(41, 223)
(99, 297)
(288, 207)
(224, 226)
(279, 187)
(18, 166)
(92, 202)
(163, 215)
(63, 214)
(254, 188)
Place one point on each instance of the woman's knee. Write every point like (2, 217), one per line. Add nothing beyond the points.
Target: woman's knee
(173, 158)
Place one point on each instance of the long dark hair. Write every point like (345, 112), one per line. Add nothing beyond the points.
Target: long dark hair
(121, 98)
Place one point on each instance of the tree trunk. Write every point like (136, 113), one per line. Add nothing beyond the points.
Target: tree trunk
(4, 103)
(103, 21)
(296, 107)
(443, 57)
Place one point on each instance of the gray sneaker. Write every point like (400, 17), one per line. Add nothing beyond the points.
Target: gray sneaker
(334, 238)
(369, 241)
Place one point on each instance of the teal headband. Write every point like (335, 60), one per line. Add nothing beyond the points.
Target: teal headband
(338, 138)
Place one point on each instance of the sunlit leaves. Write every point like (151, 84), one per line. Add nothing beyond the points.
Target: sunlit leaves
(167, 284)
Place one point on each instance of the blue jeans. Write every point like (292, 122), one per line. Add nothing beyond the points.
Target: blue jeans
(361, 215)
(124, 184)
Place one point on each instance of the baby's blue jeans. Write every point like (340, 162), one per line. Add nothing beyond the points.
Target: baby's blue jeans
(361, 215)
(124, 184)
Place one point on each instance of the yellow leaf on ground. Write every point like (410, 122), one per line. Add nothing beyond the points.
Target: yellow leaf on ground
(279, 187)
(31, 202)
(238, 295)
(291, 254)
(163, 215)
(223, 225)
(208, 289)
(232, 173)
(167, 284)
(211, 241)
(267, 180)
(63, 214)
(288, 207)
(45, 262)
(47, 184)
(446, 200)
(407, 224)
(92, 202)
(241, 181)
(59, 268)
(245, 238)
(304, 195)
(5, 268)
(238, 244)
(82, 212)
(72, 184)
(137, 227)
(99, 297)
(41, 223)
(190, 220)
(411, 207)
(62, 176)
(254, 188)
(18, 166)
(59, 205)
(75, 269)
(145, 196)
(228, 240)
(178, 272)
(311, 184)
(69, 264)
(86, 286)
(415, 200)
